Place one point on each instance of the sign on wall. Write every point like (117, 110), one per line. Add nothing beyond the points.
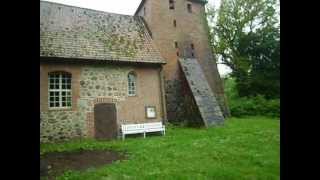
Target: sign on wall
(151, 112)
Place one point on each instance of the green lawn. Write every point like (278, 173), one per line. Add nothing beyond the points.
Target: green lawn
(244, 148)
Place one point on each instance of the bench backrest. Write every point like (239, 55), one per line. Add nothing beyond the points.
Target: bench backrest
(132, 127)
(137, 127)
(155, 125)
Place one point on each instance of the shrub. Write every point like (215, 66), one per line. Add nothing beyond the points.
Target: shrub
(250, 106)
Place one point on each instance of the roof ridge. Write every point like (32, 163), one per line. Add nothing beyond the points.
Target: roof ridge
(99, 11)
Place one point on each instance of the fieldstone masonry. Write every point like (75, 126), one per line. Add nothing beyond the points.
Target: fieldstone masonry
(204, 97)
(59, 125)
(97, 85)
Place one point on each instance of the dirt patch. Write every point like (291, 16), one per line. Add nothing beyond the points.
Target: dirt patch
(53, 164)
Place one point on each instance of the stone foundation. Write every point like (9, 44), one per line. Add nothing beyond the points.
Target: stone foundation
(181, 107)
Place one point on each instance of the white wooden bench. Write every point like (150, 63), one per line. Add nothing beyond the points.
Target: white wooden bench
(142, 128)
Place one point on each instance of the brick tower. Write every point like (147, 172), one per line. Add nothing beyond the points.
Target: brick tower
(179, 30)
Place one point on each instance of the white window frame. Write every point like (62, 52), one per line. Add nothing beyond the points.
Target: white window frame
(60, 90)
(132, 89)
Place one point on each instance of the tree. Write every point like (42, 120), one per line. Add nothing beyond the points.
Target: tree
(245, 36)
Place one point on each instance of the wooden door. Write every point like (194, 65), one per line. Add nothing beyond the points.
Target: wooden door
(105, 120)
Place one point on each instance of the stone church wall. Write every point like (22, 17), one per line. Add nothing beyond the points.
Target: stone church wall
(92, 85)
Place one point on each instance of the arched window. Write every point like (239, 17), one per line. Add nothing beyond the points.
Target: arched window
(59, 90)
(132, 84)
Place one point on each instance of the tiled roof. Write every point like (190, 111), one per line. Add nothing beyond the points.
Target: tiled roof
(79, 33)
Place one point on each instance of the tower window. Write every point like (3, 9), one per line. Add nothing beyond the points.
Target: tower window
(178, 54)
(192, 49)
(192, 46)
(189, 8)
(171, 4)
(174, 23)
(176, 44)
(144, 11)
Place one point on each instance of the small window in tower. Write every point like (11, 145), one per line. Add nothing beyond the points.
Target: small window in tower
(192, 49)
(144, 11)
(178, 54)
(171, 4)
(192, 46)
(176, 44)
(174, 23)
(189, 8)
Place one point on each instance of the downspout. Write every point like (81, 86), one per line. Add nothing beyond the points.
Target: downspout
(163, 99)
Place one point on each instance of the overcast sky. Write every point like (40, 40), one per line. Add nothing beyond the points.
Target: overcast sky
(122, 7)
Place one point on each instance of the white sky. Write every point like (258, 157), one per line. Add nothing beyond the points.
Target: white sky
(123, 7)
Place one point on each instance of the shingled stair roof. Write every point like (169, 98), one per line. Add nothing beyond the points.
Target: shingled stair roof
(204, 97)
(80, 33)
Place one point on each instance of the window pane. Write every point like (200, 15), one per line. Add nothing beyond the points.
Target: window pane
(60, 86)
(69, 104)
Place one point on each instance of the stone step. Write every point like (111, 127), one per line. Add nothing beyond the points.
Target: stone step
(205, 99)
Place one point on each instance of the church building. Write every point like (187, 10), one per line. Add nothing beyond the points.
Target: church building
(99, 70)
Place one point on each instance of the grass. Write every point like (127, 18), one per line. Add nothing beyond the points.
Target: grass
(244, 148)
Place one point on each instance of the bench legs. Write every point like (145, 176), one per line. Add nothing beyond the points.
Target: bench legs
(144, 134)
(163, 133)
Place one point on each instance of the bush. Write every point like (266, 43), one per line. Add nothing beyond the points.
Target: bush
(255, 106)
(250, 106)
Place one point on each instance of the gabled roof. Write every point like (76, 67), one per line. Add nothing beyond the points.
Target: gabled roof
(79, 33)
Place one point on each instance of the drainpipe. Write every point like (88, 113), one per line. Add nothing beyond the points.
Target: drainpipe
(163, 99)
